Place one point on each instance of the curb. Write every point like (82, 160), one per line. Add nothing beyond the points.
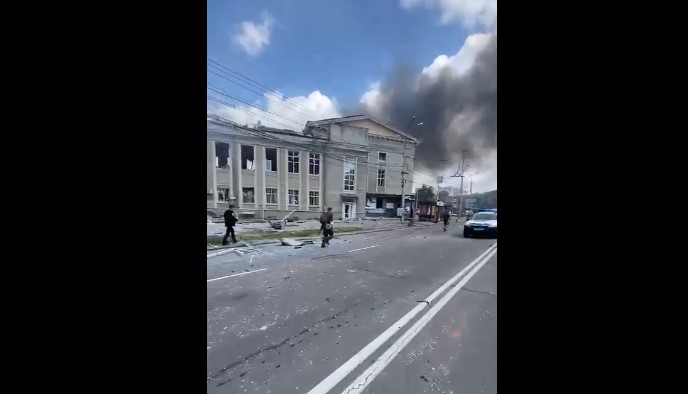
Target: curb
(277, 241)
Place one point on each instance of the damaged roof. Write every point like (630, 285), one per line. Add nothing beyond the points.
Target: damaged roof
(352, 118)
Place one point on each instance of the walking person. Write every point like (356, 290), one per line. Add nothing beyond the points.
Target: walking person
(230, 221)
(446, 218)
(326, 227)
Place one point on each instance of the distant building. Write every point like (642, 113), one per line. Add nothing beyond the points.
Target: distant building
(352, 164)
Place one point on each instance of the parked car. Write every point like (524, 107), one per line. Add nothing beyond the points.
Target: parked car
(482, 224)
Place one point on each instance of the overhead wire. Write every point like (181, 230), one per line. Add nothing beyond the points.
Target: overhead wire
(260, 86)
(278, 100)
(244, 110)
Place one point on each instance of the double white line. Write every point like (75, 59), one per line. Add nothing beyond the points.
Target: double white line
(362, 381)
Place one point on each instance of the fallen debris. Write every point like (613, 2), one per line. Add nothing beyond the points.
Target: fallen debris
(291, 242)
(221, 252)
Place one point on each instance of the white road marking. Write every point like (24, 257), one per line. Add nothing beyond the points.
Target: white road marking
(367, 247)
(366, 377)
(233, 275)
(345, 369)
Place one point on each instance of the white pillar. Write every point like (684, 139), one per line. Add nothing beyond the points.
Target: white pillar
(213, 156)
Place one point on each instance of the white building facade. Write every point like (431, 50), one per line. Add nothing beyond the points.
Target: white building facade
(343, 163)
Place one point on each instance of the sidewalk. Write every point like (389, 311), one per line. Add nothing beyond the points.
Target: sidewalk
(218, 229)
(363, 228)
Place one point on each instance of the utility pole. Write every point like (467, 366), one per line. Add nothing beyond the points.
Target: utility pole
(460, 174)
(403, 201)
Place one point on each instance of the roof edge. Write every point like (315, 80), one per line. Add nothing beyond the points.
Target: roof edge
(361, 117)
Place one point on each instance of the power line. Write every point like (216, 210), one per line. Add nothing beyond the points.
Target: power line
(260, 86)
(222, 92)
(262, 94)
(245, 110)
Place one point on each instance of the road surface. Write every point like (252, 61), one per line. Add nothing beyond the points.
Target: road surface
(291, 320)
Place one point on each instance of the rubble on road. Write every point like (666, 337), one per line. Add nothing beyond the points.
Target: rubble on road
(291, 242)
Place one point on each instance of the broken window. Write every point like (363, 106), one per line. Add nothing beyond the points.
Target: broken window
(314, 199)
(293, 162)
(248, 157)
(382, 157)
(380, 177)
(249, 196)
(222, 194)
(270, 159)
(221, 154)
(314, 163)
(349, 175)
(293, 197)
(271, 195)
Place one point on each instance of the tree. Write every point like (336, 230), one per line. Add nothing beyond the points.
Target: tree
(426, 195)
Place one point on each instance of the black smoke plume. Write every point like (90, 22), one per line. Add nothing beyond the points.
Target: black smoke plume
(458, 111)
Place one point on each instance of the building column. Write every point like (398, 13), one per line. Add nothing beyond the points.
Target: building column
(235, 168)
(308, 182)
(260, 177)
(283, 172)
(303, 180)
(213, 166)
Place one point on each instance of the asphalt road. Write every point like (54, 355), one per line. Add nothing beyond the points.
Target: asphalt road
(282, 319)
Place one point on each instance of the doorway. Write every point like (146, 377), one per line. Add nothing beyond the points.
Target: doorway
(348, 210)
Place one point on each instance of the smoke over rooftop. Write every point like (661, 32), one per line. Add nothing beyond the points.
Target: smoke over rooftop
(455, 98)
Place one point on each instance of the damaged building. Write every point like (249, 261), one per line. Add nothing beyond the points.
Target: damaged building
(353, 164)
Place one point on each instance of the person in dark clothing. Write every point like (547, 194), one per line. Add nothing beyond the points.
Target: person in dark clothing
(230, 221)
(326, 227)
(446, 217)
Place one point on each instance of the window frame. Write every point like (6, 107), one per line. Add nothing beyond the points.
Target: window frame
(317, 196)
(243, 194)
(314, 162)
(220, 193)
(353, 161)
(276, 194)
(246, 161)
(381, 171)
(293, 161)
(295, 195)
(269, 169)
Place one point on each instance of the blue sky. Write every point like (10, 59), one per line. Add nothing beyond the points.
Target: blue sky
(338, 47)
(323, 56)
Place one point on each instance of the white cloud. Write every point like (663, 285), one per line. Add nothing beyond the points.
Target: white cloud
(371, 98)
(470, 13)
(463, 59)
(282, 113)
(254, 37)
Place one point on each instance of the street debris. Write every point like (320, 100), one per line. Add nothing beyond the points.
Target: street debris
(291, 242)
